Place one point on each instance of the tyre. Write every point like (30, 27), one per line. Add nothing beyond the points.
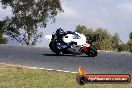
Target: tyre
(59, 53)
(92, 53)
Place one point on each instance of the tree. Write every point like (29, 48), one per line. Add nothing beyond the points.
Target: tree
(103, 36)
(102, 33)
(81, 29)
(121, 47)
(115, 39)
(2, 39)
(129, 43)
(89, 31)
(27, 16)
(130, 35)
(106, 44)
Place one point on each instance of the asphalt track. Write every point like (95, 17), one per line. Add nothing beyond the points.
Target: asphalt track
(42, 57)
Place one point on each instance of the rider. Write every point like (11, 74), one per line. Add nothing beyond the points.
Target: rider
(60, 33)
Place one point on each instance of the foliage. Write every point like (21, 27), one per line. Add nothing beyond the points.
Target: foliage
(115, 39)
(2, 39)
(81, 29)
(122, 47)
(130, 35)
(27, 16)
(106, 44)
(129, 44)
(103, 36)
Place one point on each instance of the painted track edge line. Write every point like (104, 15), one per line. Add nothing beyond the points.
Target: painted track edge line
(38, 68)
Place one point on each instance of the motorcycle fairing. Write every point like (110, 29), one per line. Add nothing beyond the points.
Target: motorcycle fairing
(75, 50)
(80, 39)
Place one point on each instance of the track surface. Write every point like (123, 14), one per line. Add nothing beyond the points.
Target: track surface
(105, 62)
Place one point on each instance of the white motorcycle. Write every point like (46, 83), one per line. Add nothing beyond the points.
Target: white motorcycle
(71, 43)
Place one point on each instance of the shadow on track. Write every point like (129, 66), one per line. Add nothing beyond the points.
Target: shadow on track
(58, 55)
(67, 55)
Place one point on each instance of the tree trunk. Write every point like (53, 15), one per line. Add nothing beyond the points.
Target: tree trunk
(29, 36)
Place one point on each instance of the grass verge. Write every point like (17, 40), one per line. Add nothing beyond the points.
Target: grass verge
(20, 77)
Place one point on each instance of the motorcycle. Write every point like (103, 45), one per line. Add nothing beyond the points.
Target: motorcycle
(71, 43)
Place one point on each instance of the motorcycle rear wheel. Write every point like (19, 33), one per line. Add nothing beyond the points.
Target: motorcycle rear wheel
(53, 47)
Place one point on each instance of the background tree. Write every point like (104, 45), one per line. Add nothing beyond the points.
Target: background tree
(27, 16)
(115, 39)
(129, 44)
(2, 39)
(103, 36)
(106, 44)
(130, 35)
(81, 29)
(121, 47)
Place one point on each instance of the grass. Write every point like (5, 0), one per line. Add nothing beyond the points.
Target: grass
(20, 77)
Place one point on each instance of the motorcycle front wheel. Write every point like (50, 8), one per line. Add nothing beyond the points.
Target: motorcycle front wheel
(92, 52)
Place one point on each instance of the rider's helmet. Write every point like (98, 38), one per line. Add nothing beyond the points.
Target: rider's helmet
(59, 31)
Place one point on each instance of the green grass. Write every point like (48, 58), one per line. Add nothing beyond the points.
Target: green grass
(19, 77)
